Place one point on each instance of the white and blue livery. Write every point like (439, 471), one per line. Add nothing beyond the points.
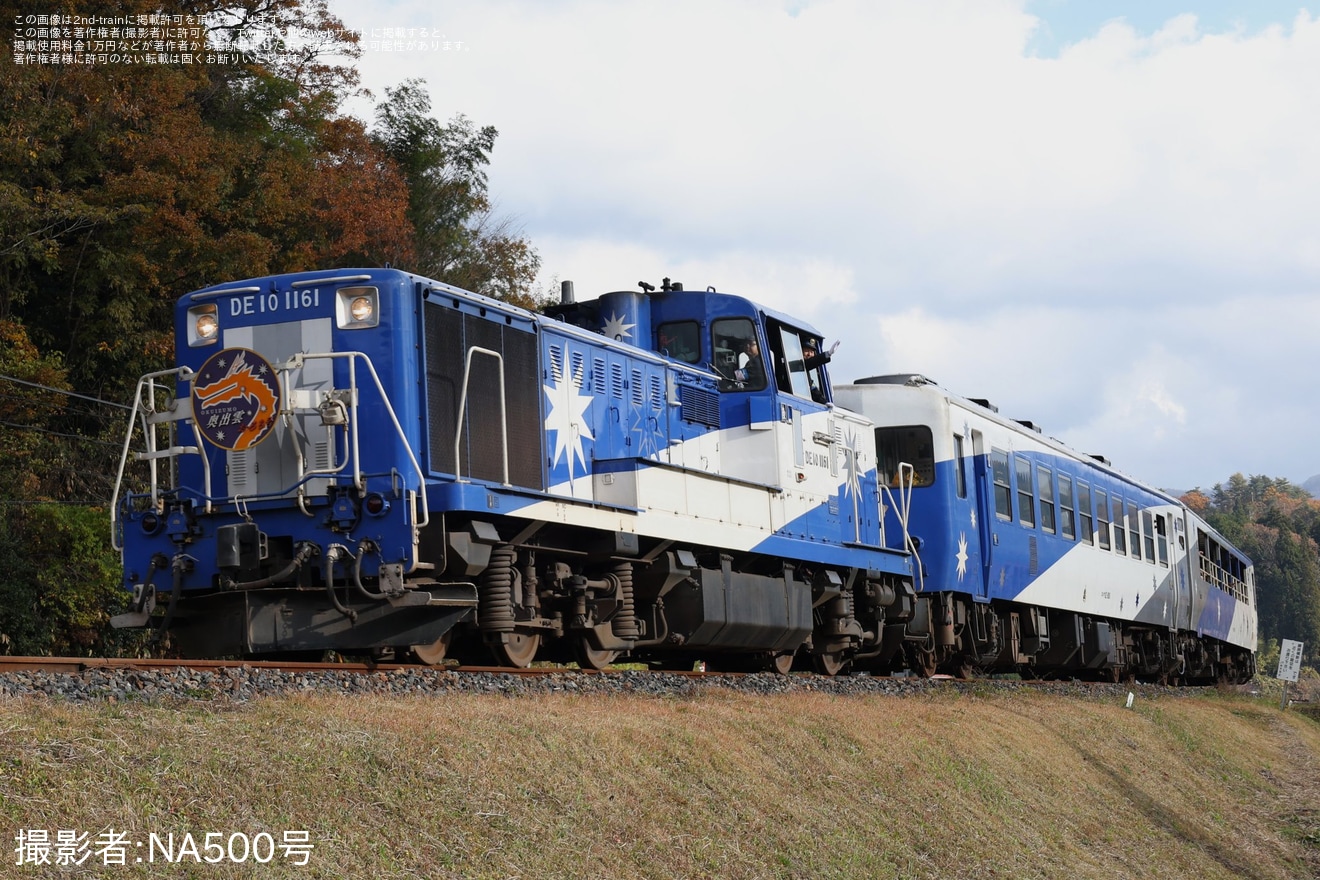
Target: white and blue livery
(366, 460)
(370, 460)
(1046, 561)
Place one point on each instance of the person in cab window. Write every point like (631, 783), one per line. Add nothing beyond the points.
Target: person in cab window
(751, 371)
(811, 359)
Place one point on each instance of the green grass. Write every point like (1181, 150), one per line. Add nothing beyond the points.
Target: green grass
(720, 785)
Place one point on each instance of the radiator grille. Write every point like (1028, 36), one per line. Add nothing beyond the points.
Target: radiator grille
(449, 335)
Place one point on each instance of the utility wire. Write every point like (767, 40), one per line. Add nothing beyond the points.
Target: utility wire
(40, 430)
(67, 393)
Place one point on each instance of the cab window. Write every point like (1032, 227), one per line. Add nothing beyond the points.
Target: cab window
(791, 345)
(680, 340)
(738, 358)
(908, 445)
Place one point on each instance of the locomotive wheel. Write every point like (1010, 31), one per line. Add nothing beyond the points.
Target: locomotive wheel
(434, 653)
(782, 663)
(517, 650)
(829, 664)
(921, 661)
(593, 658)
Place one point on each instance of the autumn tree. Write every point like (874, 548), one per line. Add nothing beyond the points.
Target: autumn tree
(458, 238)
(122, 186)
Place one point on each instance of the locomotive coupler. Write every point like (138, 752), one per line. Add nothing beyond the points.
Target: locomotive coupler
(144, 597)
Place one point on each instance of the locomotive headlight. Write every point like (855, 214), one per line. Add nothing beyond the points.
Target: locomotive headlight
(203, 325)
(357, 307)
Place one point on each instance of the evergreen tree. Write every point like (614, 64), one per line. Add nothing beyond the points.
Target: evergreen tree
(1277, 525)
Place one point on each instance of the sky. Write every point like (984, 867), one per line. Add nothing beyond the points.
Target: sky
(1102, 216)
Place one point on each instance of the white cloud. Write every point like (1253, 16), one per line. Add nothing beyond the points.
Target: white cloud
(1120, 241)
(810, 289)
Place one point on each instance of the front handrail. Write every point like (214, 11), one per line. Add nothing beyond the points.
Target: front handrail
(144, 408)
(352, 357)
(902, 507)
(462, 411)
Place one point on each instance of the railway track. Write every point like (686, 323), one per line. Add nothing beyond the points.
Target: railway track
(76, 665)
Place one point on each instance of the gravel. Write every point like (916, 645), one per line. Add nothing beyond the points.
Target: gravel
(241, 684)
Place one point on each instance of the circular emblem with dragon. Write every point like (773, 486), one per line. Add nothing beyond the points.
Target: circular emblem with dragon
(235, 399)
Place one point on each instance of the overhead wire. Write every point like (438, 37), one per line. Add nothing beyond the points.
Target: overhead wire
(66, 393)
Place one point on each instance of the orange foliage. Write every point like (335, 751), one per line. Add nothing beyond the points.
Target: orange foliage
(1197, 501)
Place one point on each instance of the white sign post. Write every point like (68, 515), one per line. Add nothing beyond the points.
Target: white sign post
(1290, 665)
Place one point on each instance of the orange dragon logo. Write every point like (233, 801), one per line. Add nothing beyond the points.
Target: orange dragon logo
(235, 399)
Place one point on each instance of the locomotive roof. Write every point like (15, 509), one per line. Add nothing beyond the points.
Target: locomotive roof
(919, 383)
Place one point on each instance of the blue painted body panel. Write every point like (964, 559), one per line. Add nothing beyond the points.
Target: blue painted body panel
(966, 547)
(602, 406)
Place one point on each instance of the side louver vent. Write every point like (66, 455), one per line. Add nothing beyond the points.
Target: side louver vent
(700, 406)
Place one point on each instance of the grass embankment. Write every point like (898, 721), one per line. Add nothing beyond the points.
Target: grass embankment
(720, 785)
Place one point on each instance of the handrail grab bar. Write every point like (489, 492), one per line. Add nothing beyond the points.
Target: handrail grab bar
(462, 411)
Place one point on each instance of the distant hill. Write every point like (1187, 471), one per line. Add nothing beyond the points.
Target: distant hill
(1313, 486)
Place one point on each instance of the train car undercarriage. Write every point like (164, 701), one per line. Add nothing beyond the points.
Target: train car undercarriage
(560, 594)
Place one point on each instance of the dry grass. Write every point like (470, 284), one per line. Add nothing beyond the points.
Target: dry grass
(723, 785)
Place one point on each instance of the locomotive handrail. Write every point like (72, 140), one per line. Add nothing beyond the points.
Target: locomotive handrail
(462, 409)
(144, 408)
(287, 410)
(902, 507)
(352, 356)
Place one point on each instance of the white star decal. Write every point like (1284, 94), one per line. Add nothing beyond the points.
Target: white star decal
(615, 328)
(567, 418)
(646, 427)
(962, 555)
(853, 484)
(973, 517)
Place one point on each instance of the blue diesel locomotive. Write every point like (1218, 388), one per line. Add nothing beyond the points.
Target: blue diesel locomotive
(369, 461)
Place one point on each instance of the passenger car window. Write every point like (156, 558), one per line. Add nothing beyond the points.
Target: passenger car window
(1003, 489)
(1026, 500)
